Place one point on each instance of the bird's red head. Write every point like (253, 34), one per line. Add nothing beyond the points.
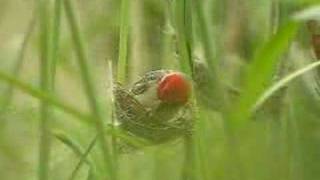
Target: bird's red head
(174, 88)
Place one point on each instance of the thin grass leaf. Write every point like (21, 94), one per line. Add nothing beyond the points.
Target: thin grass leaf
(113, 118)
(43, 96)
(77, 149)
(260, 73)
(69, 142)
(282, 83)
(184, 34)
(89, 88)
(87, 119)
(135, 142)
(116, 133)
(55, 40)
(83, 158)
(19, 63)
(183, 25)
(123, 44)
(122, 64)
(45, 139)
(214, 76)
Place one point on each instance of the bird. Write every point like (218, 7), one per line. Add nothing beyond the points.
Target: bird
(157, 107)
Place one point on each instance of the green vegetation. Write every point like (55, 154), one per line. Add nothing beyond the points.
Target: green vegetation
(256, 90)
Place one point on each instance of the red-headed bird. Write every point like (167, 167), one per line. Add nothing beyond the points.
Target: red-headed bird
(157, 107)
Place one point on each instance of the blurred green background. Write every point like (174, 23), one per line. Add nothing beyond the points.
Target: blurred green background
(233, 49)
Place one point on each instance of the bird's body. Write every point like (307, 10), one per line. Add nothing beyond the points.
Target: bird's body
(145, 90)
(154, 108)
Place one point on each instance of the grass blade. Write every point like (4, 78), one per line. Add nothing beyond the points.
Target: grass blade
(89, 88)
(83, 158)
(55, 40)
(44, 96)
(184, 34)
(214, 76)
(260, 73)
(45, 139)
(123, 44)
(283, 82)
(66, 108)
(19, 63)
(69, 142)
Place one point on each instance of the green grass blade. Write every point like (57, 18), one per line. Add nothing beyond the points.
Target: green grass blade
(43, 96)
(19, 63)
(184, 34)
(260, 73)
(123, 44)
(77, 149)
(89, 88)
(69, 142)
(116, 133)
(45, 139)
(283, 82)
(55, 40)
(122, 64)
(214, 76)
(83, 158)
(113, 118)
(87, 119)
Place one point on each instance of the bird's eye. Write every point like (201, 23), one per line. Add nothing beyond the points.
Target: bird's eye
(152, 77)
(139, 88)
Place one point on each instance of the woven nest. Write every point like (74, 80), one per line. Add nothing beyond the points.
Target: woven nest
(167, 122)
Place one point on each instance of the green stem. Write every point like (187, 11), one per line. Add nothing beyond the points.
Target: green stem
(44, 147)
(44, 96)
(282, 83)
(55, 40)
(19, 63)
(89, 88)
(123, 44)
(113, 120)
(221, 96)
(83, 158)
(184, 27)
(66, 108)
